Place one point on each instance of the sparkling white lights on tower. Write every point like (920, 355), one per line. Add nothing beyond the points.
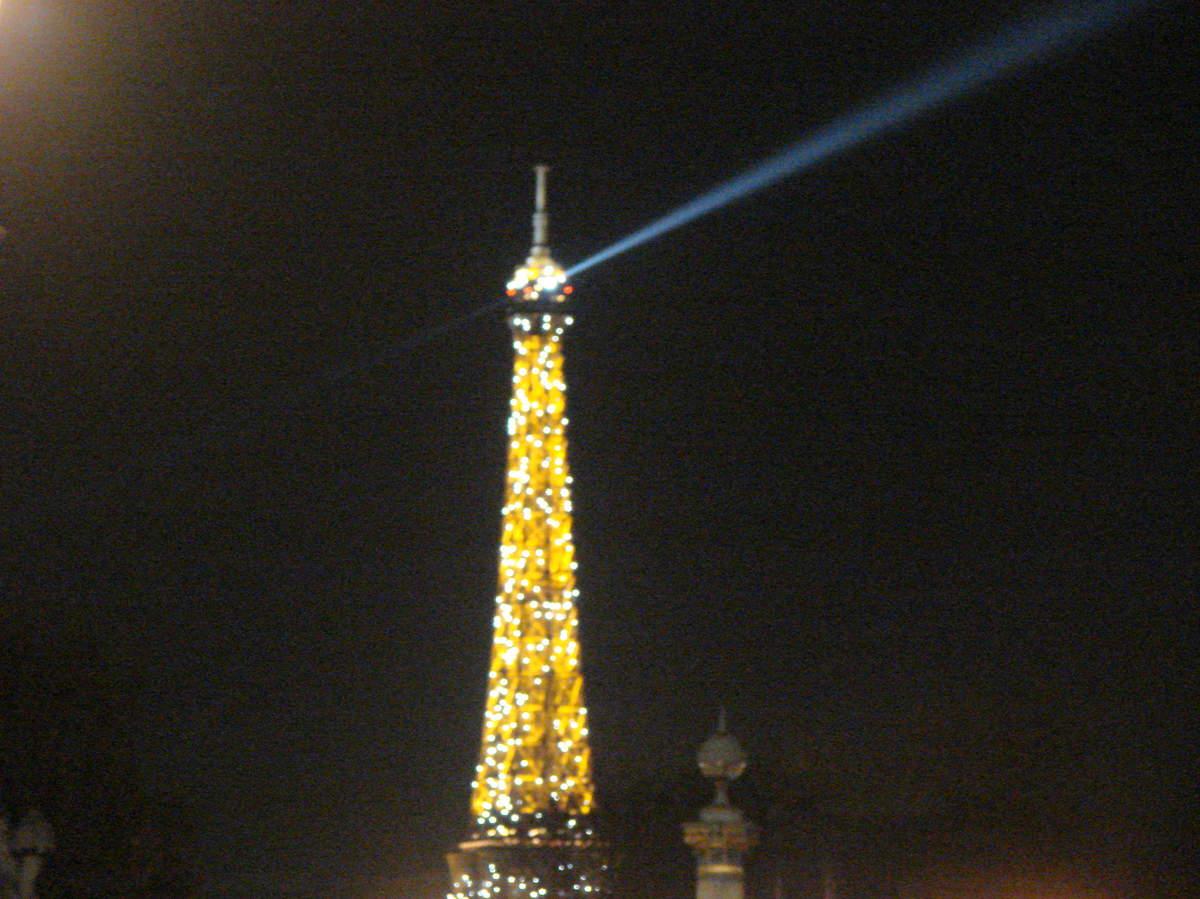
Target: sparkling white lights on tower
(535, 757)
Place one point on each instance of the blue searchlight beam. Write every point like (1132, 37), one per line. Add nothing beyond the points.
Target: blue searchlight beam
(1020, 44)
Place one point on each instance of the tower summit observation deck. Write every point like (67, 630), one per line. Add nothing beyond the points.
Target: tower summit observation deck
(532, 796)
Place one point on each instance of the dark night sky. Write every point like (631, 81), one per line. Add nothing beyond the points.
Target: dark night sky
(893, 458)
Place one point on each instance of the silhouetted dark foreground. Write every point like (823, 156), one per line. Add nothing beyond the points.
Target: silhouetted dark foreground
(66, 747)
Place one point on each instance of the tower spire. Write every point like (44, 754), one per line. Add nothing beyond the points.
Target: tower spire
(540, 283)
(541, 219)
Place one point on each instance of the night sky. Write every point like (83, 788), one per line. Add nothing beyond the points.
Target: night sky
(894, 459)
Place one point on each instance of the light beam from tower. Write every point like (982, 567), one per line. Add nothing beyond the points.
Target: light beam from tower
(532, 796)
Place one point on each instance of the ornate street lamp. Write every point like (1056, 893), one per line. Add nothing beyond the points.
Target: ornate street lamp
(722, 837)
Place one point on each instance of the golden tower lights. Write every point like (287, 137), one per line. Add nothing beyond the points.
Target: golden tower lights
(532, 795)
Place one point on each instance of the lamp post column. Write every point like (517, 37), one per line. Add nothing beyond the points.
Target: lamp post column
(722, 837)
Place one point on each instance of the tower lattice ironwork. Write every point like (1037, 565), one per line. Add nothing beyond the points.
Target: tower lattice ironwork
(532, 797)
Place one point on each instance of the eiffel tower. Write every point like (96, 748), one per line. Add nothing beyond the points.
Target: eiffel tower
(532, 797)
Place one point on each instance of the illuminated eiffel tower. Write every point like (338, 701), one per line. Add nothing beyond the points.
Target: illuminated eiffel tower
(532, 797)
